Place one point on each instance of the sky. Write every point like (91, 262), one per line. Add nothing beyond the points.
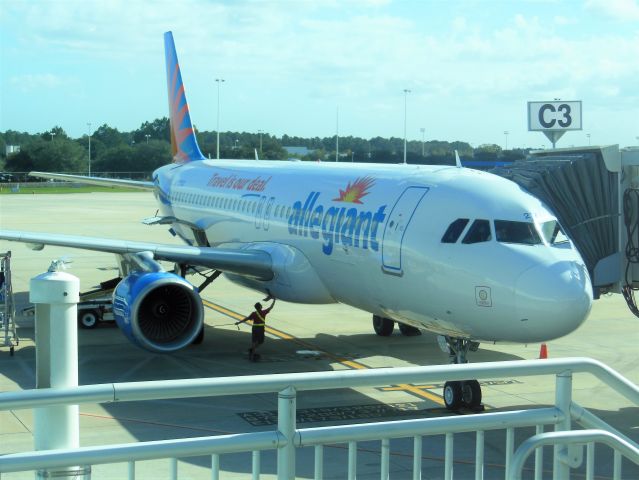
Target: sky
(313, 67)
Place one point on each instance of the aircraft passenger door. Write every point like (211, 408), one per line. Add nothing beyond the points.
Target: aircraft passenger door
(395, 229)
(267, 212)
(259, 211)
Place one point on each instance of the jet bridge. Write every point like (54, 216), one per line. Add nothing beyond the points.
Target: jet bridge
(594, 191)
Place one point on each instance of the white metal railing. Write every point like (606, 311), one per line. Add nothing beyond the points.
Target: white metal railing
(287, 437)
(573, 456)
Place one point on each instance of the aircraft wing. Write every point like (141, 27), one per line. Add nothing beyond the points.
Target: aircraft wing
(104, 182)
(251, 263)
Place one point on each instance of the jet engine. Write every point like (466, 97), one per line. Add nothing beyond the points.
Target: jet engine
(158, 311)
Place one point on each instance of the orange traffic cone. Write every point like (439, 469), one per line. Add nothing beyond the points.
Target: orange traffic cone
(543, 351)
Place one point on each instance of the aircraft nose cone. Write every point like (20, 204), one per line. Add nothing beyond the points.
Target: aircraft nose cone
(552, 301)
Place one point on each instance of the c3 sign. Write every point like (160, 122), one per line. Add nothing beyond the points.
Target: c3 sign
(556, 115)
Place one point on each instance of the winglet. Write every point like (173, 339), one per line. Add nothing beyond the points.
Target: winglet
(457, 160)
(183, 142)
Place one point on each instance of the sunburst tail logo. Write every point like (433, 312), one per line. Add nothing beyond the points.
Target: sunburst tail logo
(355, 191)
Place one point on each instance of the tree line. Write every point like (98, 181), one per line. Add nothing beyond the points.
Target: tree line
(149, 147)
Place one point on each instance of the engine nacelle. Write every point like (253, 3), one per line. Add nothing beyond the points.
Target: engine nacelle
(158, 311)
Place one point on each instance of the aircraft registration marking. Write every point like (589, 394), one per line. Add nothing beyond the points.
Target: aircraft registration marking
(418, 391)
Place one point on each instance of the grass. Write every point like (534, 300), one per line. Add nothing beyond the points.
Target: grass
(25, 189)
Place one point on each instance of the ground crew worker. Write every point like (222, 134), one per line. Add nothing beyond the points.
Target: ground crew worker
(258, 317)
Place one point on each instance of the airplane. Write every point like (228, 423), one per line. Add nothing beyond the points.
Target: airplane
(462, 253)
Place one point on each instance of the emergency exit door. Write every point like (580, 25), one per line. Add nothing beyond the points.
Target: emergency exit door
(396, 226)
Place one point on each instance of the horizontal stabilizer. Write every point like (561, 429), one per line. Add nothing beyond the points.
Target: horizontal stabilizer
(103, 182)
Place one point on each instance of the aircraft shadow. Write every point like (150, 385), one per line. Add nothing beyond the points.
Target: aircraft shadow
(105, 356)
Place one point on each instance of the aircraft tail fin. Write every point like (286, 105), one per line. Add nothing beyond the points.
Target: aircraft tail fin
(183, 142)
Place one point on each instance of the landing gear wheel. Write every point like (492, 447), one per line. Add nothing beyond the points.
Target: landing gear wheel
(471, 394)
(453, 395)
(409, 331)
(383, 326)
(199, 338)
(88, 319)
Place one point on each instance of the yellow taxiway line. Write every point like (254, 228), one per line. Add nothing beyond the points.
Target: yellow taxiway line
(418, 391)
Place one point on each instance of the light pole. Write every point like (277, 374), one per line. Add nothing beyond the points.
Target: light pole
(423, 130)
(89, 125)
(588, 135)
(337, 134)
(218, 81)
(52, 135)
(147, 137)
(506, 132)
(406, 92)
(260, 132)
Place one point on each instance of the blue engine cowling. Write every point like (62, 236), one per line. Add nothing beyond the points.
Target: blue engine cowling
(158, 311)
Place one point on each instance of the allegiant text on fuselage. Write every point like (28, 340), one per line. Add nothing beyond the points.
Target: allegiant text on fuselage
(337, 225)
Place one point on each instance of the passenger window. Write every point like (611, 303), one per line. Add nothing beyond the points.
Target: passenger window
(454, 230)
(523, 233)
(478, 232)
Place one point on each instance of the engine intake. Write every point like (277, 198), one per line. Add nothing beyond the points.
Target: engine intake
(158, 311)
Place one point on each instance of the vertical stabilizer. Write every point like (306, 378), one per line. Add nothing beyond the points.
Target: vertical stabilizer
(183, 142)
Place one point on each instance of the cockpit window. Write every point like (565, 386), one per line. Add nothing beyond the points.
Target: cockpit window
(478, 232)
(454, 230)
(516, 232)
(553, 233)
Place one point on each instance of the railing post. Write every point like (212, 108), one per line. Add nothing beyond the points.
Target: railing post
(286, 410)
(352, 460)
(479, 455)
(385, 465)
(215, 466)
(417, 457)
(56, 295)
(319, 462)
(539, 456)
(256, 465)
(563, 399)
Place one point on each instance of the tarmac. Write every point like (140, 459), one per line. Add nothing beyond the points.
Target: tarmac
(302, 338)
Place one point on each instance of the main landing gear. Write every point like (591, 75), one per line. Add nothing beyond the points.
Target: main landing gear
(464, 393)
(384, 327)
(209, 277)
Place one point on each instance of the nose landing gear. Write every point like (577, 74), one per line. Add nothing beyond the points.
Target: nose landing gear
(464, 393)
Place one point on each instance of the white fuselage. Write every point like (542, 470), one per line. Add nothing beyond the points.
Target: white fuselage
(370, 236)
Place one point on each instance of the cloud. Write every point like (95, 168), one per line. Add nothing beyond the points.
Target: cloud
(561, 20)
(358, 54)
(624, 10)
(37, 81)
